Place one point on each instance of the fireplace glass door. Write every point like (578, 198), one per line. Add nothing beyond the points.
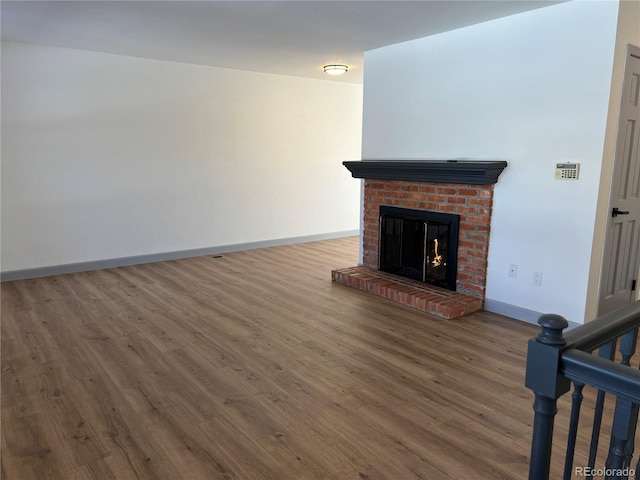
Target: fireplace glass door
(419, 244)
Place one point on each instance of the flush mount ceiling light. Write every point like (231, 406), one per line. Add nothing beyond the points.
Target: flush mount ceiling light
(335, 69)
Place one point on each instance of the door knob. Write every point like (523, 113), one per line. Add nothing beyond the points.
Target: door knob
(615, 212)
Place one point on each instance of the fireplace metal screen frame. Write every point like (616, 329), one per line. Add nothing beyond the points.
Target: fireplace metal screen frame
(453, 222)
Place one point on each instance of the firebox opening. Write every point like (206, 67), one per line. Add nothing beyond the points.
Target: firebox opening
(419, 244)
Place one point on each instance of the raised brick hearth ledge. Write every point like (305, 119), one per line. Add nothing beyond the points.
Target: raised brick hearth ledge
(434, 300)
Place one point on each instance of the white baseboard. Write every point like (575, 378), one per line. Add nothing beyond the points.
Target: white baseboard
(519, 313)
(161, 257)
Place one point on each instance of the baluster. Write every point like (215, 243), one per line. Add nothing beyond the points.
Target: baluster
(628, 346)
(638, 462)
(625, 417)
(624, 420)
(607, 351)
(632, 434)
(573, 428)
(595, 432)
(627, 350)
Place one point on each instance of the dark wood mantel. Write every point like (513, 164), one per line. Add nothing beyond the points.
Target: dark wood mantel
(437, 171)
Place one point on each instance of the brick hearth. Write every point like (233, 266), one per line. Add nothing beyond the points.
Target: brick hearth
(427, 186)
(436, 301)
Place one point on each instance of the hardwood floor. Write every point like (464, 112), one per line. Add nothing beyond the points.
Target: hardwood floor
(254, 365)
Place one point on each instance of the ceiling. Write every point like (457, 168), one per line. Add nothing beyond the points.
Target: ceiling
(284, 37)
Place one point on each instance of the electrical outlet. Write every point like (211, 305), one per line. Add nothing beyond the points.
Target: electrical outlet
(537, 278)
(513, 270)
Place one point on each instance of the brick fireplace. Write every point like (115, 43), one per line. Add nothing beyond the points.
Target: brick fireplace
(464, 188)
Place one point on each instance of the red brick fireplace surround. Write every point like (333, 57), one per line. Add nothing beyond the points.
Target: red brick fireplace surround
(464, 188)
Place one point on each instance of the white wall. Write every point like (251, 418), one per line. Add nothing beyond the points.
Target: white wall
(531, 89)
(107, 156)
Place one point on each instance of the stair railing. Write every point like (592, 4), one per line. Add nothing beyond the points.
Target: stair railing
(556, 360)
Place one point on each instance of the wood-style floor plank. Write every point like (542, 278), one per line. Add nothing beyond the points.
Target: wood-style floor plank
(254, 365)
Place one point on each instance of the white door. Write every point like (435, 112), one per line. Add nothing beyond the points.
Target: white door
(621, 256)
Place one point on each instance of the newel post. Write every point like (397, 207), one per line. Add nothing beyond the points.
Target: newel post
(543, 366)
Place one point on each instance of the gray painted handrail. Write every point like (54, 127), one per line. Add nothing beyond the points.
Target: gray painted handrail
(604, 329)
(603, 374)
